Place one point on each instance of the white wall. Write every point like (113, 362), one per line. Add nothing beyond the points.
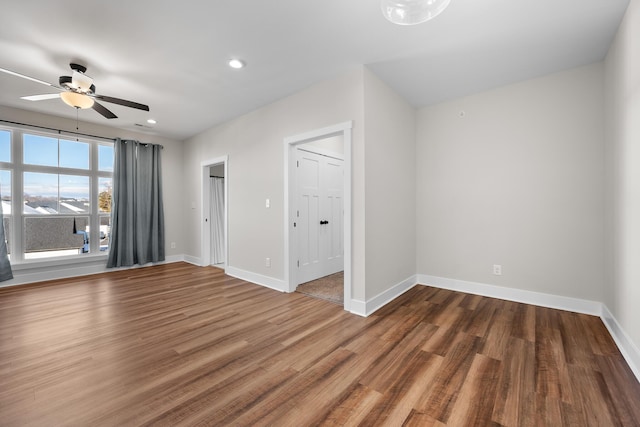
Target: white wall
(172, 189)
(622, 67)
(255, 145)
(390, 188)
(514, 176)
(332, 144)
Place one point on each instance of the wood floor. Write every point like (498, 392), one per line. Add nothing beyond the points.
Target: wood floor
(183, 345)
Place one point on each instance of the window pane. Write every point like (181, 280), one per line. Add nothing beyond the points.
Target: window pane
(105, 233)
(104, 194)
(74, 194)
(5, 190)
(105, 158)
(55, 236)
(74, 154)
(40, 150)
(7, 233)
(40, 193)
(5, 146)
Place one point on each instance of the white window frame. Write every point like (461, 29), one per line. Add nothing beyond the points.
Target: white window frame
(17, 168)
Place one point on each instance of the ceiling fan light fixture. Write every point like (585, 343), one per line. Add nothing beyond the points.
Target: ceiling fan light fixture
(412, 12)
(77, 100)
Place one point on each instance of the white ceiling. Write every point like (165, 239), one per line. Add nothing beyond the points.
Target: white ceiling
(172, 55)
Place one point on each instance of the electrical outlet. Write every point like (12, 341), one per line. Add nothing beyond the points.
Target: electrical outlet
(267, 262)
(497, 269)
(173, 245)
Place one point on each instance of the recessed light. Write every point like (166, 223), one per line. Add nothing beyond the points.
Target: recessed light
(151, 121)
(236, 63)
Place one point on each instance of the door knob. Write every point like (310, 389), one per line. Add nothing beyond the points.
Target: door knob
(324, 222)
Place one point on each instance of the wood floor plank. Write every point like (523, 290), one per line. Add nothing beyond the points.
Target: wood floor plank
(626, 402)
(552, 373)
(353, 408)
(594, 402)
(439, 401)
(475, 403)
(515, 405)
(404, 392)
(177, 344)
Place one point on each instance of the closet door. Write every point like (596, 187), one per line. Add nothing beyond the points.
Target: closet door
(320, 219)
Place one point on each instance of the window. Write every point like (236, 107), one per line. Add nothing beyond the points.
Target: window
(66, 189)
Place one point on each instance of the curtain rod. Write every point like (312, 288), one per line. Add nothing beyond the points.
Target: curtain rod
(58, 130)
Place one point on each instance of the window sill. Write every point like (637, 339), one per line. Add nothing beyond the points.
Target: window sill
(55, 262)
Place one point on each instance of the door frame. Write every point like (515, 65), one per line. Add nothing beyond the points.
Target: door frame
(206, 210)
(290, 248)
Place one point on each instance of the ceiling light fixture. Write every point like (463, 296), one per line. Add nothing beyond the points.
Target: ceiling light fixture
(236, 63)
(151, 121)
(412, 12)
(76, 100)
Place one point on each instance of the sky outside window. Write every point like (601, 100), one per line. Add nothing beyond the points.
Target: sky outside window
(105, 158)
(43, 185)
(40, 150)
(74, 187)
(74, 154)
(46, 151)
(5, 146)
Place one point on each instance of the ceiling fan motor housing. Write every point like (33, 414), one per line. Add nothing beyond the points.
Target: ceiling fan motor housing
(67, 83)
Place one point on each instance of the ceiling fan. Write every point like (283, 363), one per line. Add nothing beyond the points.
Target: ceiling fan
(78, 91)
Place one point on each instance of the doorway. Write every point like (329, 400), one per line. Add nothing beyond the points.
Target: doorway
(214, 212)
(310, 141)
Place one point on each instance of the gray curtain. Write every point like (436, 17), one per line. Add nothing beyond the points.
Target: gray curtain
(5, 266)
(137, 217)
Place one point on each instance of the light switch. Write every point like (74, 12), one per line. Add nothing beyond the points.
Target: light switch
(267, 203)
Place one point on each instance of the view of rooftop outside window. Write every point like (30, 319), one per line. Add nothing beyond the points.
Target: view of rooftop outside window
(62, 196)
(51, 194)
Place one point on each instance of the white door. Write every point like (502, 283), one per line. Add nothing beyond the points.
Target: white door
(319, 215)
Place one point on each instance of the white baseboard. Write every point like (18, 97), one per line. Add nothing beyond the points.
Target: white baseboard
(192, 260)
(366, 308)
(172, 258)
(518, 295)
(259, 279)
(629, 351)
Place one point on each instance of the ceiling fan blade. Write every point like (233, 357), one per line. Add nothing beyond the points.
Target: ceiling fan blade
(13, 73)
(119, 101)
(41, 97)
(104, 111)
